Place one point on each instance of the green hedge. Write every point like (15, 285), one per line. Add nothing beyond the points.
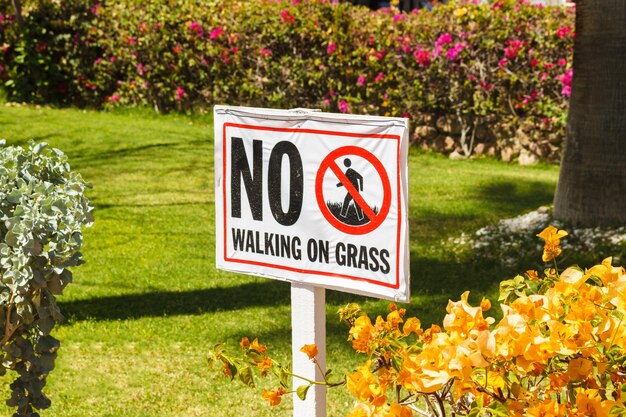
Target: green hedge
(473, 72)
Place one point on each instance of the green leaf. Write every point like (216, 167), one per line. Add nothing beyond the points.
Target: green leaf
(302, 390)
(283, 377)
(497, 409)
(246, 376)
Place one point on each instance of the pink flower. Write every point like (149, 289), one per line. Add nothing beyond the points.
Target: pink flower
(97, 61)
(485, 86)
(503, 62)
(114, 98)
(379, 77)
(566, 91)
(454, 52)
(566, 79)
(562, 62)
(343, 106)
(326, 102)
(1, 17)
(361, 80)
(112, 59)
(513, 48)
(196, 27)
(564, 31)
(544, 76)
(264, 52)
(372, 40)
(180, 93)
(130, 40)
(331, 48)
(141, 69)
(286, 16)
(95, 8)
(397, 17)
(216, 33)
(533, 63)
(444, 39)
(422, 56)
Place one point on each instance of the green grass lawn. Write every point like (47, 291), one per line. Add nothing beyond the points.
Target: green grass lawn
(149, 303)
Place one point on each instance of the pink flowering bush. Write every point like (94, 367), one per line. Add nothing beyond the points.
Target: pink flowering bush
(457, 68)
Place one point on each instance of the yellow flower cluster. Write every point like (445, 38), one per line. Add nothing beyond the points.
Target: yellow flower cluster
(558, 350)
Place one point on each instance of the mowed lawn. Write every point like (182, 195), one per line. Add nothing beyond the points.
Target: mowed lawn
(148, 304)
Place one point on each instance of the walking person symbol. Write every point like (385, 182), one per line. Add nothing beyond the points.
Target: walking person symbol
(356, 180)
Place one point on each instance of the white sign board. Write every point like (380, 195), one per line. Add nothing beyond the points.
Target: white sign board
(314, 198)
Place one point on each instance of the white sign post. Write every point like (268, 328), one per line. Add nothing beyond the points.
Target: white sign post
(316, 199)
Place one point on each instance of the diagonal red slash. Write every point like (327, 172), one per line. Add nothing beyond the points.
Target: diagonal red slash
(358, 199)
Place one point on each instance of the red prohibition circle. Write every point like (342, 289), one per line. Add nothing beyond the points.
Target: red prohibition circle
(329, 163)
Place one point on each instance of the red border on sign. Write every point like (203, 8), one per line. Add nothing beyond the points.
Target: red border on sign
(328, 163)
(395, 285)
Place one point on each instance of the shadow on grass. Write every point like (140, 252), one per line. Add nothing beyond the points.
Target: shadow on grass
(435, 273)
(509, 197)
(172, 303)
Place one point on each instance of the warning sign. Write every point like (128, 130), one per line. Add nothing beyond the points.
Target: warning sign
(354, 214)
(313, 197)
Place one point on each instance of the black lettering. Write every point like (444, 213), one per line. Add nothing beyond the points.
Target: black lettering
(352, 251)
(295, 248)
(311, 250)
(339, 254)
(269, 244)
(285, 246)
(324, 251)
(374, 265)
(238, 237)
(257, 242)
(296, 183)
(249, 241)
(363, 258)
(385, 268)
(253, 182)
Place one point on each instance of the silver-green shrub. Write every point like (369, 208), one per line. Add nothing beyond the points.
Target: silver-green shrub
(42, 211)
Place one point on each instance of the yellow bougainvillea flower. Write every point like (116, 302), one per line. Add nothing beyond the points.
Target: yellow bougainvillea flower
(245, 343)
(532, 275)
(552, 238)
(266, 363)
(579, 369)
(274, 397)
(412, 325)
(590, 403)
(460, 12)
(546, 408)
(485, 304)
(256, 346)
(310, 350)
(362, 410)
(397, 410)
(363, 384)
(362, 334)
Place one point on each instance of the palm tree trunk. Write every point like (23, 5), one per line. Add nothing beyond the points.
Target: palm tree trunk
(592, 184)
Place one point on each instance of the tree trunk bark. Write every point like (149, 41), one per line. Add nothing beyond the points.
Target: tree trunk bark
(592, 183)
(17, 6)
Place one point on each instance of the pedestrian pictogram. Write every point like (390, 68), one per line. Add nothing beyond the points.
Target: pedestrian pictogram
(356, 180)
(354, 214)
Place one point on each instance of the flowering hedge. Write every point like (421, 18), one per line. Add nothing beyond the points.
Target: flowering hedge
(491, 74)
(558, 350)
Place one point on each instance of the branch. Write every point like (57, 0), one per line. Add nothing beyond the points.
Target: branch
(17, 5)
(8, 329)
